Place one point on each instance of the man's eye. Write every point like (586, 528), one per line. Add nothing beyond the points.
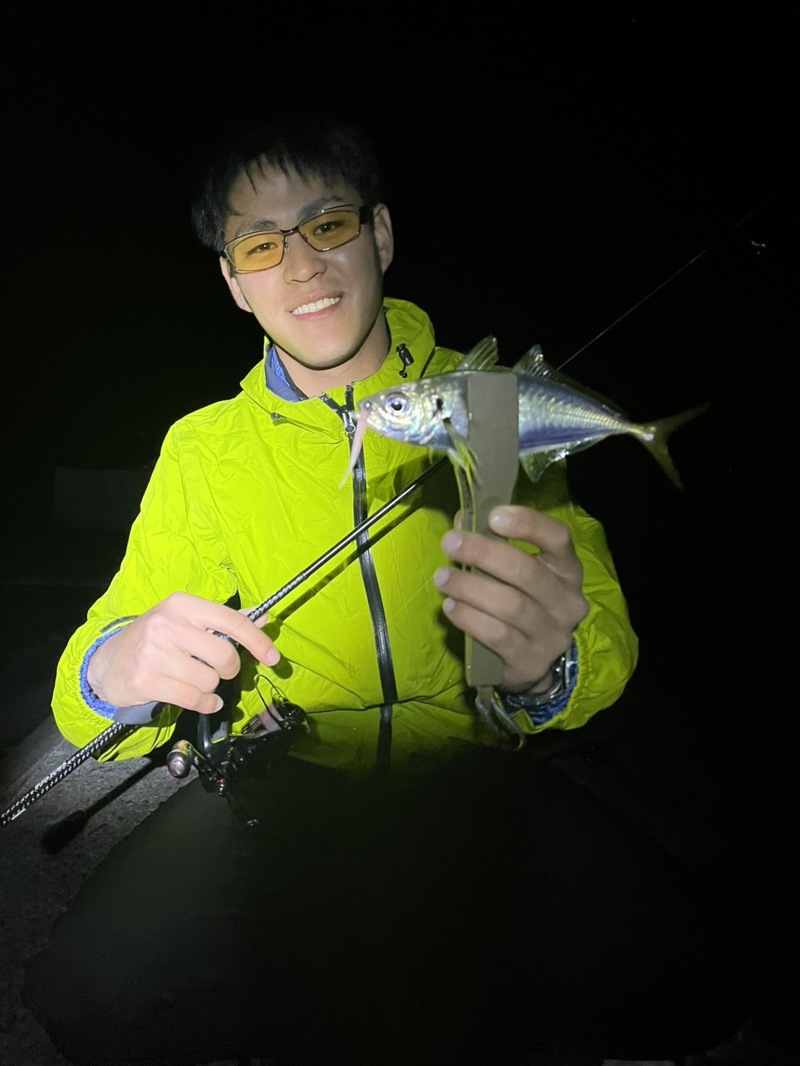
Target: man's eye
(328, 227)
(262, 248)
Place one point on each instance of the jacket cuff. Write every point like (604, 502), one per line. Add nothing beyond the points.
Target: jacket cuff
(93, 701)
(538, 713)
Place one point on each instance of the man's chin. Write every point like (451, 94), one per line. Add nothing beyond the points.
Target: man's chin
(320, 360)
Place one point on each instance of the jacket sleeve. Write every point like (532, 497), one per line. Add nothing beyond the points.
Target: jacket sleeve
(606, 642)
(166, 552)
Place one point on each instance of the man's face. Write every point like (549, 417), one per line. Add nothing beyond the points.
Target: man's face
(323, 309)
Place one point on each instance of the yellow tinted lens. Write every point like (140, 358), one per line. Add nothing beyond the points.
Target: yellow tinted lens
(256, 251)
(331, 228)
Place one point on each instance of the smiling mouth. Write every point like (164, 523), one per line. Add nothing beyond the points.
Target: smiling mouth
(318, 305)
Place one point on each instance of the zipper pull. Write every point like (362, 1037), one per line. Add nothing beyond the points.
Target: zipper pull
(406, 358)
(347, 412)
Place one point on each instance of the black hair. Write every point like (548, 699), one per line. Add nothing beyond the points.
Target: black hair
(331, 148)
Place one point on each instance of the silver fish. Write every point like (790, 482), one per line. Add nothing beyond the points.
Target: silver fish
(557, 416)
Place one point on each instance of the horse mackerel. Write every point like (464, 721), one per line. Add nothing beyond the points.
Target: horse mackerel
(557, 416)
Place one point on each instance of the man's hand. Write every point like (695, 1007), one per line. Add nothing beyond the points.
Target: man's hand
(171, 654)
(524, 607)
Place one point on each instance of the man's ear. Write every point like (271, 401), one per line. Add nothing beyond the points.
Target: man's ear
(233, 285)
(384, 238)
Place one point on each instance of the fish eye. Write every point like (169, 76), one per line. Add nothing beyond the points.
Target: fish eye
(397, 404)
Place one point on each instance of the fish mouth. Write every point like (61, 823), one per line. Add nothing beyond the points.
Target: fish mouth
(316, 305)
(370, 414)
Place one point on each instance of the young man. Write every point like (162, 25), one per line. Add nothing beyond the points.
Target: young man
(414, 893)
(247, 493)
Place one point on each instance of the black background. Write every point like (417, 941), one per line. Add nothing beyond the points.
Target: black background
(546, 172)
(549, 170)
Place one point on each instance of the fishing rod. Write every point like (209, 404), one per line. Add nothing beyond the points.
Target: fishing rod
(121, 729)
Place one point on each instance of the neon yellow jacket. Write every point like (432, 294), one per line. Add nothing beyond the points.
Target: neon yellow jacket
(246, 494)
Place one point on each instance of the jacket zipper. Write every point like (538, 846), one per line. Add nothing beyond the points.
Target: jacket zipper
(370, 579)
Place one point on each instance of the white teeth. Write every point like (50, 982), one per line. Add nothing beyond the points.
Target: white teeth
(320, 305)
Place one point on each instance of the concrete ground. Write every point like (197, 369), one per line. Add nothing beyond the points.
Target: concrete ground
(47, 584)
(694, 771)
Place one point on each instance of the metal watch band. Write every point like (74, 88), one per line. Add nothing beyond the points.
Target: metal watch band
(562, 670)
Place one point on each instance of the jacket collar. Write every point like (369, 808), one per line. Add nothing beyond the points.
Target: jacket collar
(411, 332)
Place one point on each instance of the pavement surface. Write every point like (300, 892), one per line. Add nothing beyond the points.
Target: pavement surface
(48, 583)
(700, 783)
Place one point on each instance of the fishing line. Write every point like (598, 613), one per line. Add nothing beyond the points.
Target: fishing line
(119, 729)
(667, 281)
(409, 599)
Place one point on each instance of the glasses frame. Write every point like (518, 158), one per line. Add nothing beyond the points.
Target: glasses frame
(363, 211)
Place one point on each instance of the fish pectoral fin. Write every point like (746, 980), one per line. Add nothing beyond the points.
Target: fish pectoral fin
(535, 462)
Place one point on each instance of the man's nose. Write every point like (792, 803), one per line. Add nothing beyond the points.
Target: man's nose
(300, 260)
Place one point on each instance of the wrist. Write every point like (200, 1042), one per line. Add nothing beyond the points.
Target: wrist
(545, 682)
(94, 671)
(91, 671)
(550, 689)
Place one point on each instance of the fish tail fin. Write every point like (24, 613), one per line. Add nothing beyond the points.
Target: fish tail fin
(655, 437)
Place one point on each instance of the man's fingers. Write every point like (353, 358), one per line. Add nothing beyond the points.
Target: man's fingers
(507, 563)
(189, 698)
(522, 605)
(257, 642)
(214, 651)
(495, 557)
(508, 602)
(261, 621)
(177, 652)
(217, 618)
(523, 523)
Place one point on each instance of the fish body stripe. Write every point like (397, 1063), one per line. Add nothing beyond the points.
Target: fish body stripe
(552, 416)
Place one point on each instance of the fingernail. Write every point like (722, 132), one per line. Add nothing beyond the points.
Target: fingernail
(448, 605)
(273, 657)
(500, 519)
(218, 705)
(452, 541)
(441, 576)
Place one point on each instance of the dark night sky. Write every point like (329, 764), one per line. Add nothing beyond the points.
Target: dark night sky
(597, 153)
(546, 172)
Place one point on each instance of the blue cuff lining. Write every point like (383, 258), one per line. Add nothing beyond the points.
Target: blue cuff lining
(107, 710)
(545, 714)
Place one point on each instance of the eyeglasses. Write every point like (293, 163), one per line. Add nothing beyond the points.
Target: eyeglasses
(328, 229)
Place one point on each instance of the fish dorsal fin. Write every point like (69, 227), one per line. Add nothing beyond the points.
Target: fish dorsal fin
(535, 367)
(483, 356)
